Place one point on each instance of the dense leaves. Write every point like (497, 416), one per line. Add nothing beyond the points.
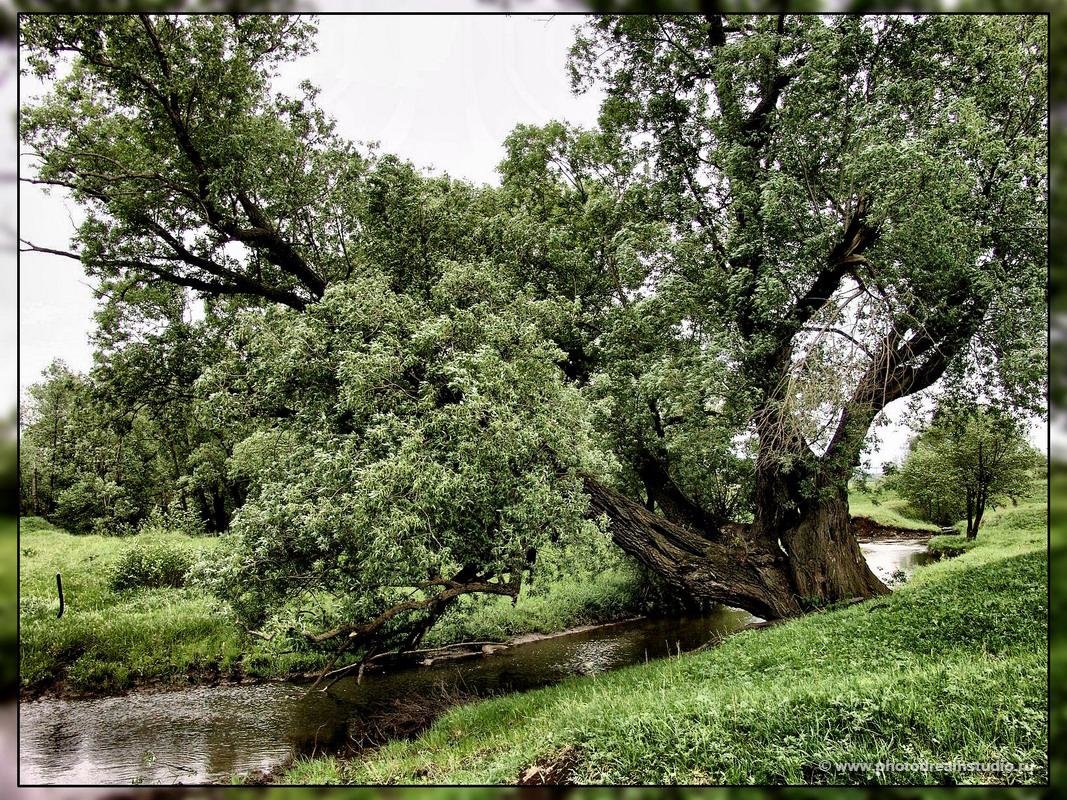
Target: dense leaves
(419, 440)
(967, 459)
(104, 450)
(403, 386)
(858, 204)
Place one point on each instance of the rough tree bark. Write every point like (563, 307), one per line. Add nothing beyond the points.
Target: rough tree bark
(814, 561)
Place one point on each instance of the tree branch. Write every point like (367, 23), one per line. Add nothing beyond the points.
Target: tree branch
(239, 286)
(357, 634)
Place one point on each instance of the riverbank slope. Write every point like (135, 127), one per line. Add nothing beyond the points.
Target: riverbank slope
(952, 667)
(109, 641)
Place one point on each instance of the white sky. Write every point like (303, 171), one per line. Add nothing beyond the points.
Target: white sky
(441, 91)
(8, 195)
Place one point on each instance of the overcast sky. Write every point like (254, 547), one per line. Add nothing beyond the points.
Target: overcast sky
(442, 91)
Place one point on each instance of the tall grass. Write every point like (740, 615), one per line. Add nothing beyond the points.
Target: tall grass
(951, 667)
(111, 639)
(108, 640)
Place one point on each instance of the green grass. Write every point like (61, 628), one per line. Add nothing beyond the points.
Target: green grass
(1031, 517)
(567, 602)
(887, 509)
(109, 641)
(951, 667)
(35, 524)
(314, 771)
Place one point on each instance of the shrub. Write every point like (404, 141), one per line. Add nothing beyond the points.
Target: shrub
(174, 519)
(98, 506)
(151, 565)
(34, 524)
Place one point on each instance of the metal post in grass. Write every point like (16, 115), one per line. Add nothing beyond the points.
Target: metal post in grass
(59, 588)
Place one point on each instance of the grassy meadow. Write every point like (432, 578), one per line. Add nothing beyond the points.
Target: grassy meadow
(112, 640)
(107, 640)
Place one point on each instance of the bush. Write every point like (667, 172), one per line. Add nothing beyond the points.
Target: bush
(173, 519)
(98, 506)
(34, 524)
(151, 565)
(950, 545)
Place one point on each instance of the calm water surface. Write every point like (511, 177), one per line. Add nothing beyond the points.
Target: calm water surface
(207, 734)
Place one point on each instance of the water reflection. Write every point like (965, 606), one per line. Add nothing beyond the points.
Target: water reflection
(888, 559)
(207, 734)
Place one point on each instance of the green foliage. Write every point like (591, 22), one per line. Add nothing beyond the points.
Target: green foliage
(932, 486)
(129, 105)
(951, 667)
(425, 439)
(103, 451)
(567, 602)
(400, 382)
(776, 147)
(150, 564)
(965, 459)
(34, 524)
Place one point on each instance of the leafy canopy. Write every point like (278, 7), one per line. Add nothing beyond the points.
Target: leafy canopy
(780, 225)
(967, 458)
(857, 206)
(410, 441)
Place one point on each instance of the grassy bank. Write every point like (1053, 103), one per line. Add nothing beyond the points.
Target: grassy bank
(108, 641)
(563, 601)
(885, 508)
(951, 667)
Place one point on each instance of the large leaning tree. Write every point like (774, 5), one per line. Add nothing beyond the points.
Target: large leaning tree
(857, 212)
(682, 324)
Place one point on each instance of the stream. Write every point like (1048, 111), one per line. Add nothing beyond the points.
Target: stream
(207, 734)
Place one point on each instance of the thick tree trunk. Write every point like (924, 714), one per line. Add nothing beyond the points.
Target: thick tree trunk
(725, 571)
(783, 565)
(824, 559)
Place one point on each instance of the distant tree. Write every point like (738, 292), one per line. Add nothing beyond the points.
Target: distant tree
(101, 450)
(928, 484)
(47, 445)
(967, 460)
